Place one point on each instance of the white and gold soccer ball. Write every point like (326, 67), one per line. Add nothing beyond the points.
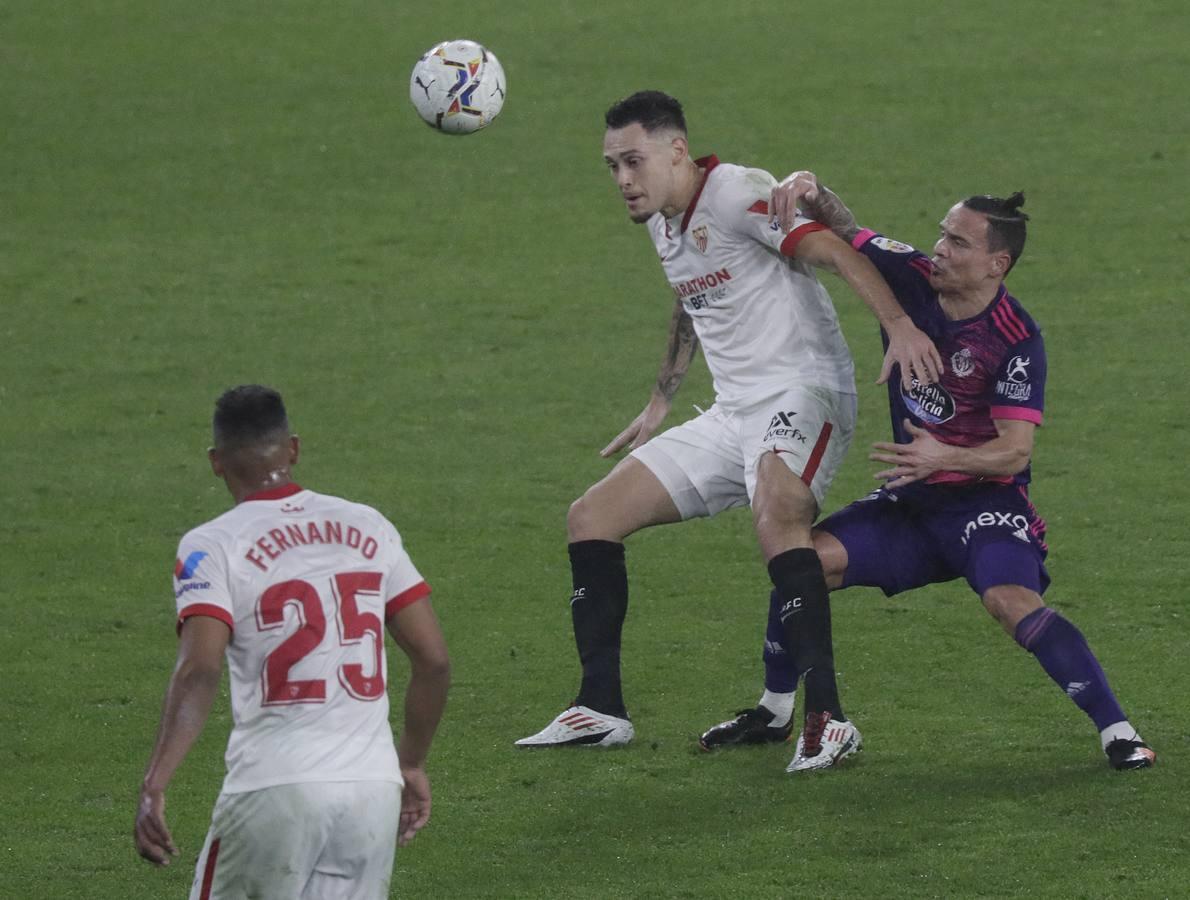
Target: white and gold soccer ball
(458, 87)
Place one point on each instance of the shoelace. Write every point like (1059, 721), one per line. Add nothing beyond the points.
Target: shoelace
(812, 732)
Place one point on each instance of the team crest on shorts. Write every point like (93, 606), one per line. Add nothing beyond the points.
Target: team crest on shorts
(962, 363)
(700, 238)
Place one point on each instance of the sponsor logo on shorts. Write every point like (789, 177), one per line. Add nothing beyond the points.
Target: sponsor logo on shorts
(579, 594)
(1015, 522)
(773, 648)
(931, 403)
(782, 427)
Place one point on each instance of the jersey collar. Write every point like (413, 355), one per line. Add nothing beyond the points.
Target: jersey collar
(707, 164)
(277, 493)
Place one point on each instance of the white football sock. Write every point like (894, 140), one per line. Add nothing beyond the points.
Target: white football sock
(780, 705)
(1119, 730)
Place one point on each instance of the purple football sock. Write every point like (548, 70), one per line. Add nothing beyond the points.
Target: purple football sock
(1063, 653)
(780, 674)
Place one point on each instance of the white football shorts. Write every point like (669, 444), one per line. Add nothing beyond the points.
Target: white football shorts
(709, 463)
(309, 841)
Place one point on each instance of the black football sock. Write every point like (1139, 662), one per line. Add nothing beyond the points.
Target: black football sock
(597, 608)
(805, 615)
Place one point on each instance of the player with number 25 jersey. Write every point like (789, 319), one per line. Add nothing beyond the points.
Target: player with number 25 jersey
(296, 590)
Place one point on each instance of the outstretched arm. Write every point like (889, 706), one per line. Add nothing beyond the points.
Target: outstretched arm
(1005, 454)
(415, 629)
(804, 190)
(907, 344)
(682, 345)
(188, 701)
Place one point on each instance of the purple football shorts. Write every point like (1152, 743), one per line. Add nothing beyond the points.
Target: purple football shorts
(897, 540)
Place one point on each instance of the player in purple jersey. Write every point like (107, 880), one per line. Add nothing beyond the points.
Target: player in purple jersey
(955, 501)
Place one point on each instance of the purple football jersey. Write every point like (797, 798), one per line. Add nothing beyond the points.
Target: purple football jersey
(993, 363)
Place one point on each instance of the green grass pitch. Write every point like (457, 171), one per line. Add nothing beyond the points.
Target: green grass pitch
(197, 195)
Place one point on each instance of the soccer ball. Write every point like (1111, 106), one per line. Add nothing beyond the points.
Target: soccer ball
(458, 87)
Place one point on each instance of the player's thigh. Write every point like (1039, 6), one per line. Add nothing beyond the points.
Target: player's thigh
(356, 862)
(809, 430)
(630, 497)
(881, 544)
(261, 845)
(699, 464)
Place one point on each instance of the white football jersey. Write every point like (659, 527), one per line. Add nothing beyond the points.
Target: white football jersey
(306, 582)
(764, 320)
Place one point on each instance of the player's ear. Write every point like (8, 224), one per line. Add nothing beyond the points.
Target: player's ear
(1000, 264)
(681, 148)
(215, 461)
(295, 449)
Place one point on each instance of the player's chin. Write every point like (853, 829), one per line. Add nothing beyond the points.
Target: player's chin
(639, 216)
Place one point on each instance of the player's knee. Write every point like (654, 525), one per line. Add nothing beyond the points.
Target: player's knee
(833, 555)
(1009, 603)
(587, 520)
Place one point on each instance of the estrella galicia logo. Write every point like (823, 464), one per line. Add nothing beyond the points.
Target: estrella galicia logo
(931, 403)
(184, 571)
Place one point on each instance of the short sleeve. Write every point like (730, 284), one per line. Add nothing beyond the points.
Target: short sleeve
(747, 202)
(403, 584)
(905, 268)
(1019, 388)
(201, 585)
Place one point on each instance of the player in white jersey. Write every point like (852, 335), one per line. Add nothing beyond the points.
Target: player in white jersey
(296, 588)
(784, 394)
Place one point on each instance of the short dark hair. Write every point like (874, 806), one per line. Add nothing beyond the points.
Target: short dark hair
(654, 111)
(1006, 222)
(249, 415)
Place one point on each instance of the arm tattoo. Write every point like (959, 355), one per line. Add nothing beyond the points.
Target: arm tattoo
(682, 344)
(833, 213)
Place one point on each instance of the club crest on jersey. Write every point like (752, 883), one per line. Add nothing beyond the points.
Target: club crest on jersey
(931, 403)
(700, 238)
(962, 363)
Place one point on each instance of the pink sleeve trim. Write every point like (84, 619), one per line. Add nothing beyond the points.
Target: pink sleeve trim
(1019, 413)
(865, 235)
(206, 609)
(403, 599)
(789, 245)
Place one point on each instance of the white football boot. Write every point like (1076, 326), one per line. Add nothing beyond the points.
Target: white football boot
(582, 726)
(824, 742)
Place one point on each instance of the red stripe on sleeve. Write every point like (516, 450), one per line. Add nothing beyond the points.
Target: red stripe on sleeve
(789, 245)
(403, 599)
(206, 609)
(816, 453)
(208, 873)
(1017, 413)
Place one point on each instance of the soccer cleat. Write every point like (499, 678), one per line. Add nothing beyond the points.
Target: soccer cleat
(824, 742)
(1125, 754)
(581, 726)
(750, 726)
